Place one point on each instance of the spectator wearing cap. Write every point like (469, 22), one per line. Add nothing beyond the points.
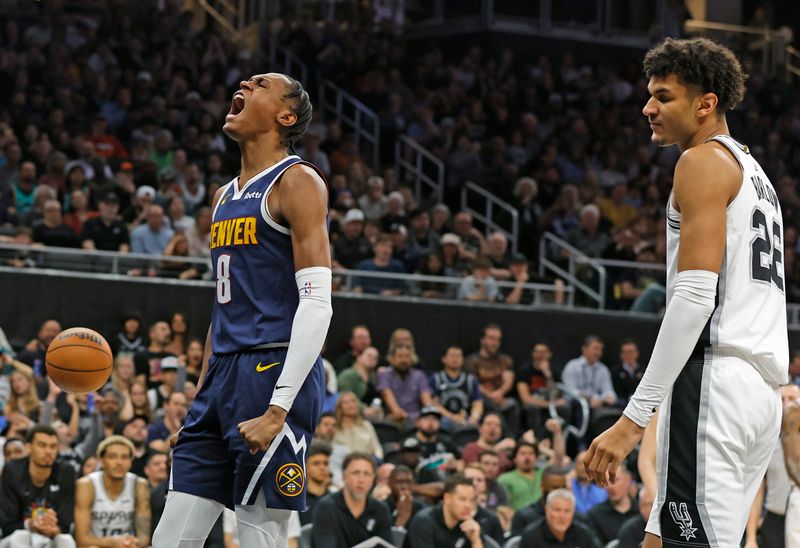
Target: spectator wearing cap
(157, 395)
(480, 286)
(381, 262)
(403, 388)
(352, 246)
(51, 229)
(438, 454)
(422, 239)
(168, 185)
(373, 201)
(174, 412)
(145, 195)
(153, 236)
(450, 250)
(106, 232)
(106, 145)
(518, 294)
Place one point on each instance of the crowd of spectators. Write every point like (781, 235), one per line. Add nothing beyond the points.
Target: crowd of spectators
(111, 140)
(420, 456)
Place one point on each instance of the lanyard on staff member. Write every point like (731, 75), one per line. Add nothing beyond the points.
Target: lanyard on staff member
(591, 387)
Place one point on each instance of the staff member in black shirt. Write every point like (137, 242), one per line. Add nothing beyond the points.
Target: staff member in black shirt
(106, 232)
(37, 495)
(351, 516)
(450, 523)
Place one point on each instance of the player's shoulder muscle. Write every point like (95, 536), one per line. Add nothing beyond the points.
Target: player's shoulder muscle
(706, 174)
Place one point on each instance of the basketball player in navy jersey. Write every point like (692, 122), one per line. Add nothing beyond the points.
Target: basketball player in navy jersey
(262, 383)
(722, 350)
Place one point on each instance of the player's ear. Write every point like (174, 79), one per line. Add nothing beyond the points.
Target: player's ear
(706, 104)
(287, 118)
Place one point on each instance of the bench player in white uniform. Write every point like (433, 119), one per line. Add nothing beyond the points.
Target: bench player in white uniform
(112, 505)
(722, 350)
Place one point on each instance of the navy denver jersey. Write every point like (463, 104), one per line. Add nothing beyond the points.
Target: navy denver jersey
(256, 293)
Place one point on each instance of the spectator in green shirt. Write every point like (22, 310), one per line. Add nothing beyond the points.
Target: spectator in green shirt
(523, 483)
(360, 377)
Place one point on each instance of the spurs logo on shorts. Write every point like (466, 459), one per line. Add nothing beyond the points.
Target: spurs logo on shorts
(680, 515)
(290, 480)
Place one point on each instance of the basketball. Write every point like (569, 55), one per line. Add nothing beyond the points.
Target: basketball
(79, 360)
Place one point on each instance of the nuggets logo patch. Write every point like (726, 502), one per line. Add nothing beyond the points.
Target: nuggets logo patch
(290, 480)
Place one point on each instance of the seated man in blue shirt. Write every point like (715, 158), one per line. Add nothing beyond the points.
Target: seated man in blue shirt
(381, 262)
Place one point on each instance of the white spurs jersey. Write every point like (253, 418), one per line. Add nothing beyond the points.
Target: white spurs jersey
(113, 518)
(750, 315)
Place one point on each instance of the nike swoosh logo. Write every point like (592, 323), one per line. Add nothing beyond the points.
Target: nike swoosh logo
(261, 368)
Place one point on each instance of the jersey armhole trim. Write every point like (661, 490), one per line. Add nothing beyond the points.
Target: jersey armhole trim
(265, 205)
(221, 199)
(732, 150)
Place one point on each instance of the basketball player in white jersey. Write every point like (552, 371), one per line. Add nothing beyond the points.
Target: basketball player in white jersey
(112, 505)
(790, 437)
(722, 349)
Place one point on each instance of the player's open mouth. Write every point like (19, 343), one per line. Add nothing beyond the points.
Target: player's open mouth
(237, 104)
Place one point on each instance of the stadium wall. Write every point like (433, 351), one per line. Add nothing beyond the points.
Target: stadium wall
(100, 301)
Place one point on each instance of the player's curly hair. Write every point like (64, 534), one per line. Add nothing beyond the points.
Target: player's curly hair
(300, 104)
(702, 64)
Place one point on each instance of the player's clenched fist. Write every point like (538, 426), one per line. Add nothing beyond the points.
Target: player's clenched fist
(609, 449)
(260, 431)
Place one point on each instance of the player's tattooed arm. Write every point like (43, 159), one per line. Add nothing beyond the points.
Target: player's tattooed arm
(790, 437)
(142, 513)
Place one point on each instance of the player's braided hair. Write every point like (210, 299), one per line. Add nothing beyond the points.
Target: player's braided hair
(702, 64)
(300, 105)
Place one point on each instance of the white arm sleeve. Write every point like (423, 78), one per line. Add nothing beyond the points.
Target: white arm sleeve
(692, 303)
(309, 329)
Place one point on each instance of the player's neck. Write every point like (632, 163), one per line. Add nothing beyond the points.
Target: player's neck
(113, 486)
(258, 155)
(705, 132)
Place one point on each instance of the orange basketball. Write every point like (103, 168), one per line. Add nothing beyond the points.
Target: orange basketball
(79, 360)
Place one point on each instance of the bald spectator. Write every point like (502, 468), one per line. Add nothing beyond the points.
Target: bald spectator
(497, 253)
(51, 230)
(472, 241)
(153, 236)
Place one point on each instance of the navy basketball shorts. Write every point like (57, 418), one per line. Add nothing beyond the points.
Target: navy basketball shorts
(212, 460)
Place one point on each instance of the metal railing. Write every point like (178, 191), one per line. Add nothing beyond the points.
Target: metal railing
(416, 165)
(286, 61)
(486, 211)
(167, 268)
(580, 267)
(355, 116)
(793, 60)
(235, 16)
